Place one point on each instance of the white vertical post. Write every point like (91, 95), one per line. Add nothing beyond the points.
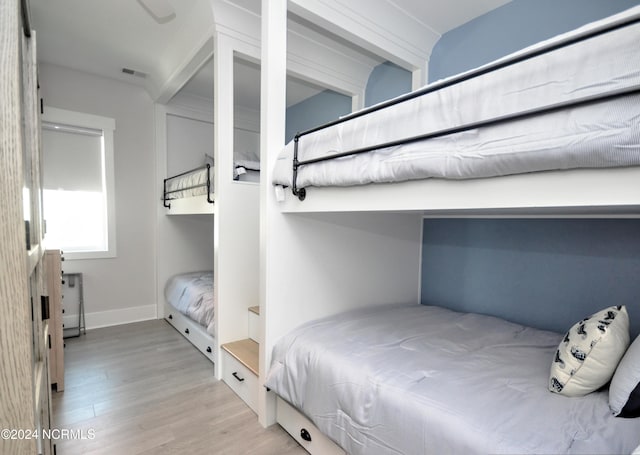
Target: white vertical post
(420, 76)
(223, 156)
(272, 136)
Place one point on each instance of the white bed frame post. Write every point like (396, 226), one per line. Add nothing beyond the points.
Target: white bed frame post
(317, 264)
(236, 218)
(272, 130)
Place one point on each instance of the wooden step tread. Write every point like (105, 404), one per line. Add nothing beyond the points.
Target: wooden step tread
(255, 309)
(246, 352)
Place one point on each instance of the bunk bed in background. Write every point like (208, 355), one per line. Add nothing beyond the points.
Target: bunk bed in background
(246, 171)
(190, 192)
(193, 192)
(190, 309)
(559, 115)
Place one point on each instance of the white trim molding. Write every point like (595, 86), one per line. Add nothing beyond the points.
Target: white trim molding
(98, 319)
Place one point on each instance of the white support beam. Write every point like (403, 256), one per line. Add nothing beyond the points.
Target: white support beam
(235, 235)
(272, 137)
(385, 30)
(317, 58)
(311, 56)
(223, 155)
(191, 64)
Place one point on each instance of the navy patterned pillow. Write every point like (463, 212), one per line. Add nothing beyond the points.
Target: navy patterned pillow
(624, 391)
(588, 355)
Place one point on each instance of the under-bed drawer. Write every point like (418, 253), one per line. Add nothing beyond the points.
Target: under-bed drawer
(305, 432)
(193, 332)
(241, 380)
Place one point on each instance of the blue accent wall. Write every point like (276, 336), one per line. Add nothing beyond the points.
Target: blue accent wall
(512, 27)
(386, 81)
(546, 273)
(317, 110)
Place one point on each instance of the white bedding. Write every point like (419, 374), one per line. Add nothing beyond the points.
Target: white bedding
(415, 379)
(594, 136)
(246, 171)
(192, 184)
(192, 295)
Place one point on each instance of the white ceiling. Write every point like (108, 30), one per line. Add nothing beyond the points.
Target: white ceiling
(103, 36)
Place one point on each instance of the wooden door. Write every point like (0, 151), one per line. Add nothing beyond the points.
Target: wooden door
(24, 371)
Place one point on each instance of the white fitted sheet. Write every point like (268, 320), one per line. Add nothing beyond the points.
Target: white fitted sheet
(416, 379)
(595, 136)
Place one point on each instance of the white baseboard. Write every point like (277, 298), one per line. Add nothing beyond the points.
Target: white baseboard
(108, 318)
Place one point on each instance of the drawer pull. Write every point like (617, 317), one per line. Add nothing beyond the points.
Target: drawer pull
(209, 349)
(170, 316)
(186, 331)
(235, 375)
(304, 434)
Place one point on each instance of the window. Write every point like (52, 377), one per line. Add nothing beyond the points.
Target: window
(78, 186)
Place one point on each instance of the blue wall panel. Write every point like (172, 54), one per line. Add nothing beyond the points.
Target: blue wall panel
(512, 27)
(546, 273)
(386, 81)
(317, 110)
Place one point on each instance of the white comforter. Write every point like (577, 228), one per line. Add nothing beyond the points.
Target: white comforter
(594, 136)
(192, 184)
(415, 379)
(192, 295)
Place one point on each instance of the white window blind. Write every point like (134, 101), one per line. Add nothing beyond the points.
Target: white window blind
(77, 152)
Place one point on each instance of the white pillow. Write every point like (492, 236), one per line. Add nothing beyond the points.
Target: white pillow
(589, 353)
(624, 391)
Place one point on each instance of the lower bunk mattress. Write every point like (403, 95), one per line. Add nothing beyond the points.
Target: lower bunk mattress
(192, 295)
(417, 379)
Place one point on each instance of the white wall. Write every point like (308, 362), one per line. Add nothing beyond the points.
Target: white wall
(120, 289)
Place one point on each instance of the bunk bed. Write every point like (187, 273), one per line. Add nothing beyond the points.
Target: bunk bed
(193, 191)
(552, 129)
(425, 379)
(190, 192)
(561, 114)
(190, 309)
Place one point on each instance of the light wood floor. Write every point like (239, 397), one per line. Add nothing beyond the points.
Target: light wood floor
(143, 389)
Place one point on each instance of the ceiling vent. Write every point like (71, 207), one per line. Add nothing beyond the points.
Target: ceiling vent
(131, 72)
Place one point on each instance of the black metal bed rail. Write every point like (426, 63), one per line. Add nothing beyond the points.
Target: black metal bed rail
(455, 80)
(207, 184)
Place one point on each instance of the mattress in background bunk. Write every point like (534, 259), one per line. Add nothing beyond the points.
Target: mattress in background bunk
(192, 295)
(189, 184)
(418, 379)
(246, 171)
(591, 135)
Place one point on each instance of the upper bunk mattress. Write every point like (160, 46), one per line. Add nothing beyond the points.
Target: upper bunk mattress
(594, 135)
(193, 183)
(192, 295)
(416, 379)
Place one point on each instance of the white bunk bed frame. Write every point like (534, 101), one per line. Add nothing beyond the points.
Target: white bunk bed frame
(614, 187)
(192, 204)
(234, 212)
(372, 233)
(192, 331)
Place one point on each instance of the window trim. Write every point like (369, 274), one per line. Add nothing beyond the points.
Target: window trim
(108, 126)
